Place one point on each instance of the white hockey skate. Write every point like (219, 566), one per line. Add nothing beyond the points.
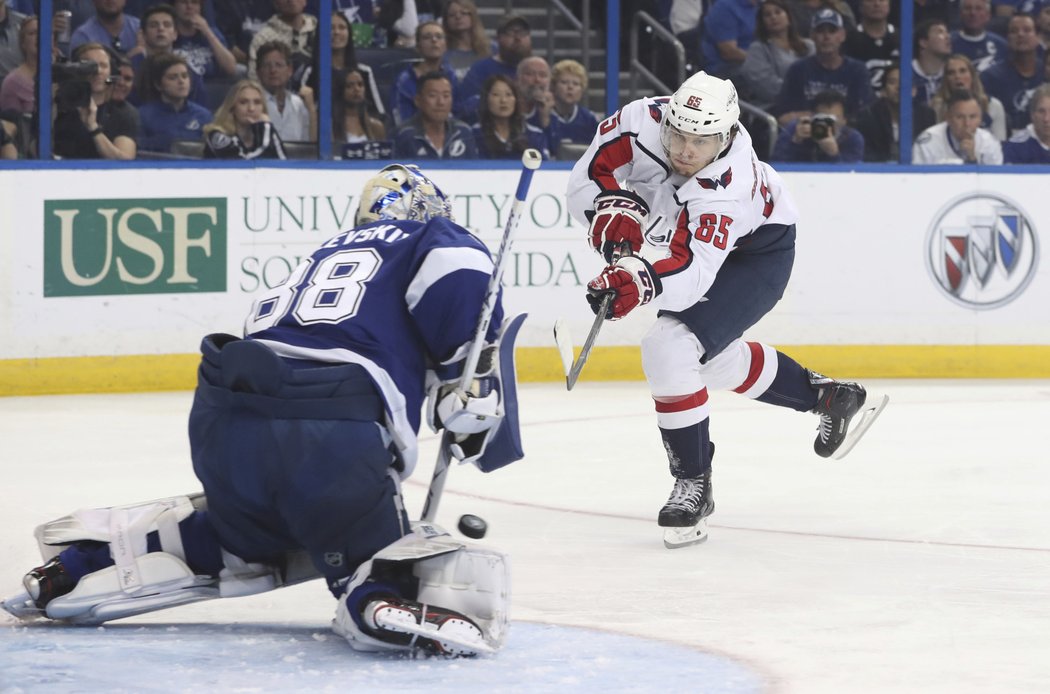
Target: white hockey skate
(442, 632)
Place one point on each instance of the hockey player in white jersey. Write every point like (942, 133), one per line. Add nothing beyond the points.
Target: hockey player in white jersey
(691, 221)
(301, 433)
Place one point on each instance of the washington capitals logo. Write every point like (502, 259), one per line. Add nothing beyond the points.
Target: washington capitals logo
(656, 110)
(712, 183)
(982, 251)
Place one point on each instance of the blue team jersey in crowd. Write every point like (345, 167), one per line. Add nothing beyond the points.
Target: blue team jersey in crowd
(1025, 148)
(199, 54)
(727, 20)
(983, 52)
(384, 295)
(578, 128)
(806, 78)
(1006, 84)
(160, 124)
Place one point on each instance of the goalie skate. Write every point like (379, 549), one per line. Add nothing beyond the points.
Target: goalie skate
(442, 632)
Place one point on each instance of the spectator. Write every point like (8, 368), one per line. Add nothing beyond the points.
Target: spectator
(874, 42)
(168, 114)
(823, 137)
(241, 129)
(352, 122)
(158, 38)
(7, 144)
(202, 45)
(1013, 80)
(10, 53)
(433, 133)
(344, 58)
(802, 12)
(959, 139)
(1042, 25)
(972, 39)
(777, 46)
(728, 30)
(534, 79)
(103, 129)
(291, 25)
(396, 24)
(502, 131)
(879, 124)
(239, 21)
(932, 46)
(18, 92)
(1032, 146)
(570, 122)
(465, 34)
(826, 69)
(960, 74)
(109, 27)
(361, 14)
(514, 38)
(293, 115)
(124, 80)
(431, 46)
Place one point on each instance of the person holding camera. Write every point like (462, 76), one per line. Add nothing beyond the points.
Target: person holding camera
(822, 136)
(88, 123)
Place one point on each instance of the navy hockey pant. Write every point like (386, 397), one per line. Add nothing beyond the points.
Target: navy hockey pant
(292, 457)
(748, 285)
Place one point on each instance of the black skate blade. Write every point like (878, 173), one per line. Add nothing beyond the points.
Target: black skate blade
(862, 421)
(675, 538)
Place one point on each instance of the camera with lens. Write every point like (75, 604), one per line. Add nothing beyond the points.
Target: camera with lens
(821, 125)
(74, 84)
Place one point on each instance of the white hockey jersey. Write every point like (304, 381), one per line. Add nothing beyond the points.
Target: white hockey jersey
(935, 145)
(694, 222)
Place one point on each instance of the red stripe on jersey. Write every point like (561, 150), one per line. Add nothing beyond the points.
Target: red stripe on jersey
(758, 362)
(680, 252)
(686, 402)
(611, 156)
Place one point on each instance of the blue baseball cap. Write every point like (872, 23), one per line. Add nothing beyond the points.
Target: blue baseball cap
(826, 16)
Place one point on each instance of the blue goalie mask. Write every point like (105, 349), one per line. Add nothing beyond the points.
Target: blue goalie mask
(402, 191)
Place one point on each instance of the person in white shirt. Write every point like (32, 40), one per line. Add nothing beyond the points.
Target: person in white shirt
(959, 139)
(293, 115)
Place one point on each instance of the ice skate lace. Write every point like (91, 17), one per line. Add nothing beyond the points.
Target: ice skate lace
(687, 494)
(825, 427)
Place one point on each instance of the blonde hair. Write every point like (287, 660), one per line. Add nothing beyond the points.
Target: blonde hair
(223, 120)
(572, 68)
(479, 40)
(939, 102)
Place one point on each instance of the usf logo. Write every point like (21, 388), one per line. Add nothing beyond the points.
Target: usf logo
(147, 246)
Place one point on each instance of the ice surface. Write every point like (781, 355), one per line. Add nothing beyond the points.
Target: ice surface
(919, 563)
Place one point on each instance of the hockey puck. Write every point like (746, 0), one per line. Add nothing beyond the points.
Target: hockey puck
(473, 526)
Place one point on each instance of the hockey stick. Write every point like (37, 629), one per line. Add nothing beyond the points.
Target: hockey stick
(530, 161)
(563, 339)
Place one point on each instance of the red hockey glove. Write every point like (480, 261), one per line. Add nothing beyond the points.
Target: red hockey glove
(619, 217)
(632, 282)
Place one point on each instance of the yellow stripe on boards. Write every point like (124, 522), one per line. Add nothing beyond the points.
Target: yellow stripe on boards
(122, 374)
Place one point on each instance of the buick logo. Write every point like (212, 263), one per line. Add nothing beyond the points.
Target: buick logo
(982, 250)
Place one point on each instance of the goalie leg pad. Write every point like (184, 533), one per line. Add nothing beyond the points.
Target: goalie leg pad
(427, 566)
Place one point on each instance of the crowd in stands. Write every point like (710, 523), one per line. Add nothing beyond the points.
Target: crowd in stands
(240, 79)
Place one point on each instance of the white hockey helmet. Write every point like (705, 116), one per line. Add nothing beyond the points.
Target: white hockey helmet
(402, 191)
(703, 105)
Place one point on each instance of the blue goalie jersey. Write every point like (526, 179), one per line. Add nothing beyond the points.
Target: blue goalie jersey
(396, 297)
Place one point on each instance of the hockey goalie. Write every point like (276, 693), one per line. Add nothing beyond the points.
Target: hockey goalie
(301, 434)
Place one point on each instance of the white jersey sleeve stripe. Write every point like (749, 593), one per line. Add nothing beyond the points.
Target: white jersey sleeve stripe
(441, 262)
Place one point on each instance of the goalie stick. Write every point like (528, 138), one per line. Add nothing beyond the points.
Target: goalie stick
(530, 161)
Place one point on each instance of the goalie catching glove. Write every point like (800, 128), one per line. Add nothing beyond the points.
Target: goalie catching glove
(632, 282)
(619, 218)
